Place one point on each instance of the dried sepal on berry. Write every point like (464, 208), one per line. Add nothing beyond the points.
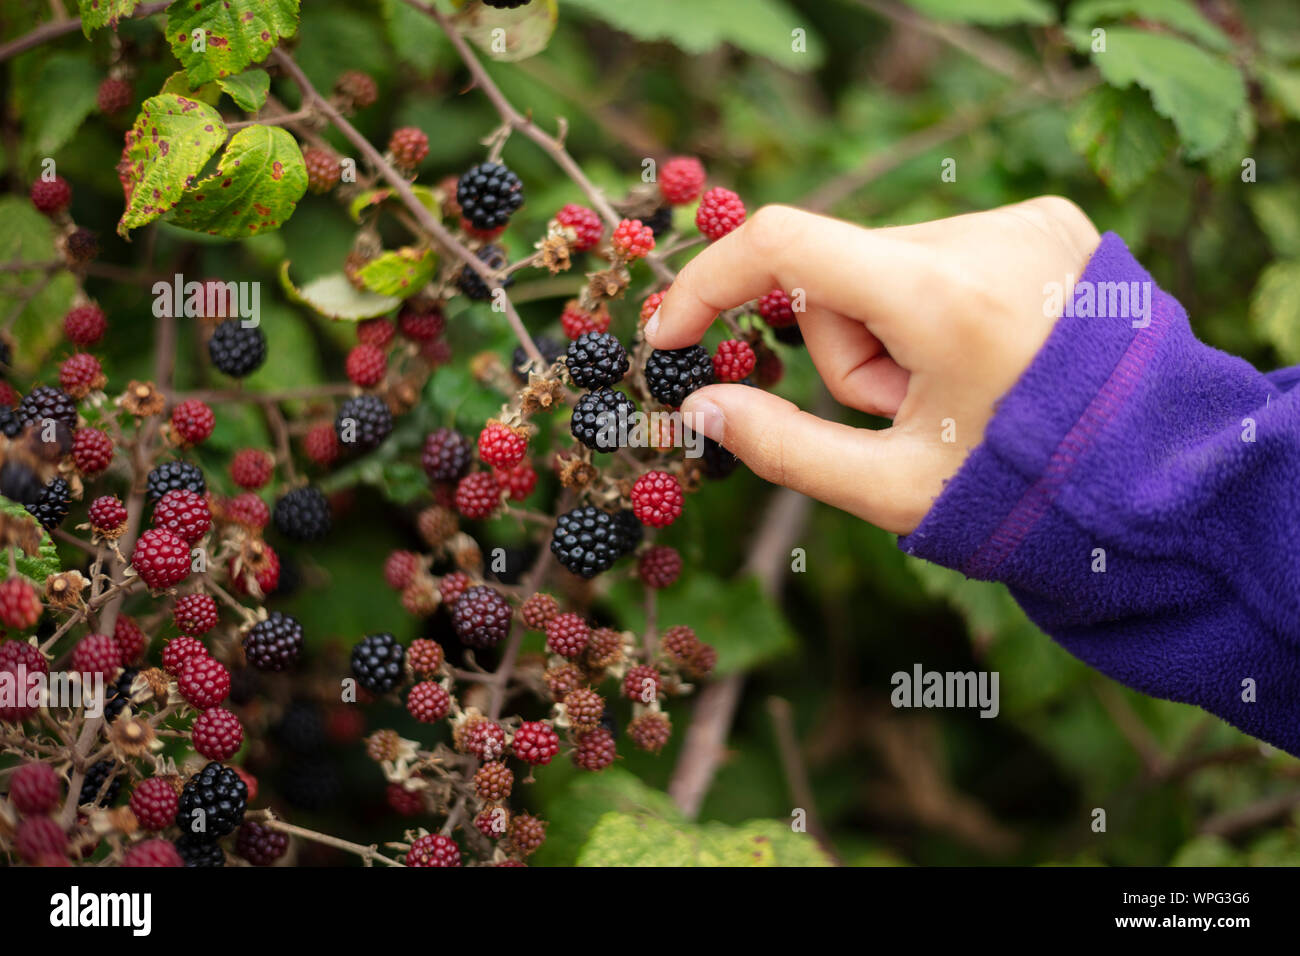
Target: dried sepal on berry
(142, 399)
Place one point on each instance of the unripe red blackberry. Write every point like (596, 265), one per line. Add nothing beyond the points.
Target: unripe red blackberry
(492, 822)
(518, 481)
(427, 702)
(131, 640)
(217, 734)
(433, 849)
(376, 332)
(632, 240)
(651, 305)
(161, 558)
(585, 223)
(564, 679)
(192, 421)
(567, 635)
(18, 661)
(584, 708)
(113, 96)
(80, 374)
(399, 568)
(195, 614)
(651, 731)
(39, 839)
(478, 495)
(642, 684)
(321, 444)
(383, 745)
(96, 654)
(259, 844)
(154, 803)
(481, 617)
(446, 455)
(420, 596)
(203, 682)
(35, 789)
(659, 566)
(425, 657)
(179, 650)
(421, 321)
(657, 499)
(605, 648)
(537, 610)
(527, 833)
(702, 662)
(679, 643)
(493, 782)
(535, 743)
(366, 365)
(594, 750)
(777, 309)
(768, 367)
(720, 212)
(250, 511)
(153, 853)
(323, 169)
(408, 803)
(575, 320)
(20, 606)
(185, 514)
(733, 360)
(484, 739)
(452, 586)
(409, 146)
(356, 88)
(502, 446)
(51, 196)
(681, 180)
(92, 451)
(251, 468)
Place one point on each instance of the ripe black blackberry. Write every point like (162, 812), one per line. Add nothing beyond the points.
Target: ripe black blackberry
(659, 221)
(10, 424)
(789, 335)
(274, 644)
(51, 505)
(371, 422)
(550, 348)
(221, 794)
(595, 359)
(672, 374)
(45, 401)
(303, 514)
(312, 784)
(198, 852)
(236, 350)
(631, 528)
(377, 662)
(487, 194)
(472, 284)
(174, 475)
(718, 462)
(301, 730)
(481, 617)
(118, 694)
(447, 455)
(94, 782)
(588, 540)
(600, 419)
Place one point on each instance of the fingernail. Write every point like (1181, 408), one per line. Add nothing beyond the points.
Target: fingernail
(705, 418)
(652, 326)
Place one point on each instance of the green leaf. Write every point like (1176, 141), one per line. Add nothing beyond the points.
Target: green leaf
(248, 89)
(735, 616)
(334, 297)
(29, 237)
(1178, 14)
(256, 186)
(171, 141)
(1283, 86)
(372, 198)
(574, 810)
(401, 273)
(1199, 91)
(179, 84)
(236, 33)
(103, 13)
(1122, 136)
(1275, 308)
(1277, 210)
(761, 27)
(415, 36)
(38, 566)
(53, 102)
(623, 839)
(987, 12)
(509, 35)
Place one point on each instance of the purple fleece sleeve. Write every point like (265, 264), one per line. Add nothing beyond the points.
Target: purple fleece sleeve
(1181, 463)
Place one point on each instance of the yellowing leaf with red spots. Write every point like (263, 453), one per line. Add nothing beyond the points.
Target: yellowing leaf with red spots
(256, 187)
(172, 139)
(103, 13)
(235, 33)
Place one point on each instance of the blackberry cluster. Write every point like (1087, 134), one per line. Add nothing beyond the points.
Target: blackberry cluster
(487, 194)
(197, 852)
(377, 662)
(237, 350)
(672, 374)
(472, 284)
(51, 505)
(550, 348)
(303, 515)
(221, 794)
(600, 416)
(173, 476)
(596, 359)
(588, 540)
(481, 617)
(274, 644)
(447, 455)
(373, 421)
(45, 401)
(94, 782)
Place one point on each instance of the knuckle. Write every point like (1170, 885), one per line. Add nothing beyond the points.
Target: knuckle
(771, 229)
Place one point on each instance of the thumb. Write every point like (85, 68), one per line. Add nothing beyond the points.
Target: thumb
(850, 468)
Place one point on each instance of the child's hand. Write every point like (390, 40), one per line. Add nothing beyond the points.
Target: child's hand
(916, 323)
